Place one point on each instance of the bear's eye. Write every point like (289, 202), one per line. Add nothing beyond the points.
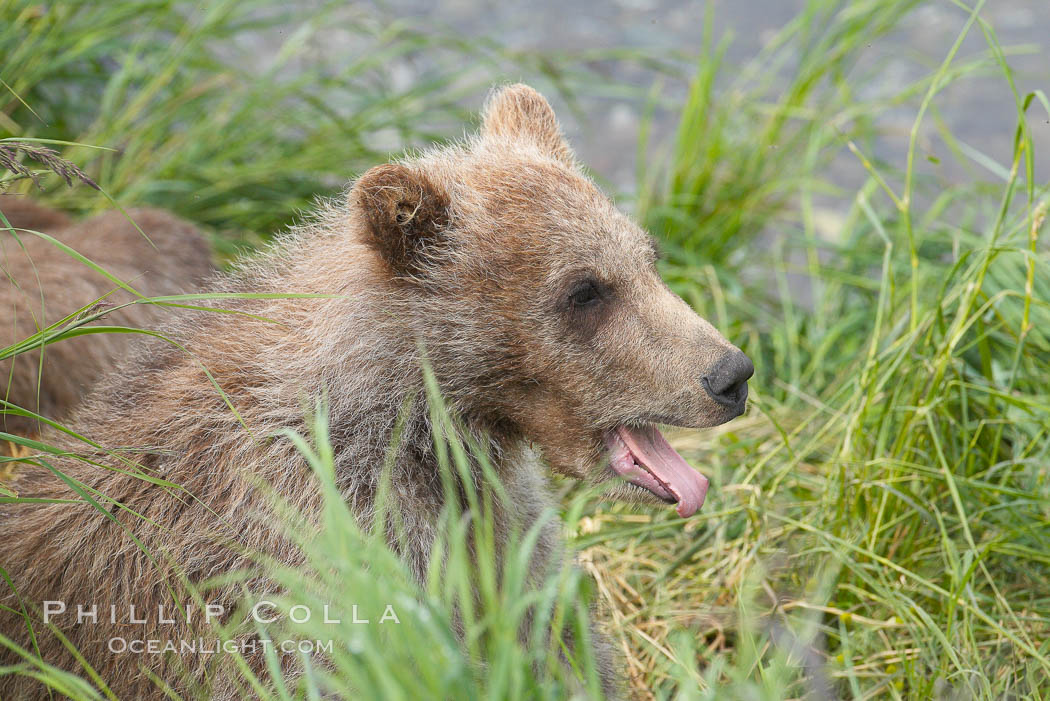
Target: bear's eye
(584, 294)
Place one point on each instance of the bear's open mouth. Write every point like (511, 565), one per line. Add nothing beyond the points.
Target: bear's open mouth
(643, 457)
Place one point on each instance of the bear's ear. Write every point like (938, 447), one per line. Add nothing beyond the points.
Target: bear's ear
(517, 112)
(406, 215)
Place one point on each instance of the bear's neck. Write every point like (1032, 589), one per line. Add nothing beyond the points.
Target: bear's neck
(356, 347)
(380, 410)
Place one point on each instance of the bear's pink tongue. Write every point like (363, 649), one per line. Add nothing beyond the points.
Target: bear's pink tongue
(645, 458)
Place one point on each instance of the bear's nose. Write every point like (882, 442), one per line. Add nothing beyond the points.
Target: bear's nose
(727, 380)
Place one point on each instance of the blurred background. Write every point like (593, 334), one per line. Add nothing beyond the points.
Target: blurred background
(854, 191)
(606, 126)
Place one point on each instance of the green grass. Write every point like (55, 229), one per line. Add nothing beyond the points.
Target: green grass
(422, 656)
(190, 121)
(888, 501)
(879, 522)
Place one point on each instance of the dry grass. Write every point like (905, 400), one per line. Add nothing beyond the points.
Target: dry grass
(13, 153)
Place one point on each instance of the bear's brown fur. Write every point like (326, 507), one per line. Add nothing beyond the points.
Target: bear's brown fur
(538, 306)
(42, 284)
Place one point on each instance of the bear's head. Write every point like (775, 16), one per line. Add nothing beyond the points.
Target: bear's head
(540, 307)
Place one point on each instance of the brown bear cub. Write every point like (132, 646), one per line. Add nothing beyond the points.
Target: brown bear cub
(42, 284)
(539, 309)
